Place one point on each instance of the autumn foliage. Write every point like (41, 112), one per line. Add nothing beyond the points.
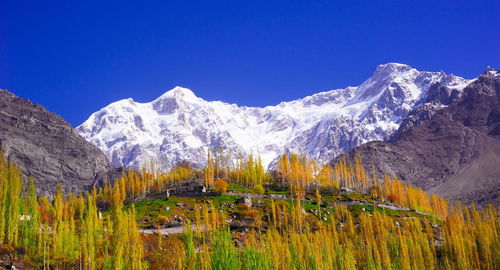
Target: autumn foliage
(68, 231)
(392, 198)
(220, 186)
(71, 232)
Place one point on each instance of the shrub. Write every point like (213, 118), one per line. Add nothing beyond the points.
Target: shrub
(220, 186)
(259, 189)
(246, 212)
(167, 252)
(335, 184)
(392, 198)
(374, 192)
(162, 220)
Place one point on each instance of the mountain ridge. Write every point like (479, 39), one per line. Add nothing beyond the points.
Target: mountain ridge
(180, 126)
(449, 150)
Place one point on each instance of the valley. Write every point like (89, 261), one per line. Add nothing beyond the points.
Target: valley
(191, 219)
(250, 135)
(313, 200)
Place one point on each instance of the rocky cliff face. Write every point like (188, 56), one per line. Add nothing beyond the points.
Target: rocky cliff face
(181, 126)
(48, 148)
(449, 146)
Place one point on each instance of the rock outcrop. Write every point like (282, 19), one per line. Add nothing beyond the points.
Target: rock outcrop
(46, 147)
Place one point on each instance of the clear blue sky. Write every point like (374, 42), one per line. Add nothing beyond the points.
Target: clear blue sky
(75, 57)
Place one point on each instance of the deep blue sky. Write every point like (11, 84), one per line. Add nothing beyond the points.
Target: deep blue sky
(75, 57)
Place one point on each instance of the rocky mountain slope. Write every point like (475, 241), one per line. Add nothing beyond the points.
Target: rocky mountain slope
(48, 148)
(180, 126)
(449, 146)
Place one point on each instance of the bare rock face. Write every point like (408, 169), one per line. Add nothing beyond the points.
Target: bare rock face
(450, 146)
(48, 148)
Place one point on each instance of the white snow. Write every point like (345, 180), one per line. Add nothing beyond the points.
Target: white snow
(179, 125)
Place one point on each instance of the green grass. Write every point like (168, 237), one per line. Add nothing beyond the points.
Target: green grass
(224, 198)
(237, 188)
(308, 206)
(158, 207)
(148, 211)
(357, 209)
(279, 192)
(331, 198)
(357, 197)
(371, 208)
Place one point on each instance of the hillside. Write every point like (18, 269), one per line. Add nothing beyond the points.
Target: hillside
(46, 147)
(451, 149)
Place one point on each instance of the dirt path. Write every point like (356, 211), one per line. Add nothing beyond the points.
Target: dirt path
(171, 230)
(258, 196)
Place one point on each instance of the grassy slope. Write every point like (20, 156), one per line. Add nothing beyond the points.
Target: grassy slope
(148, 211)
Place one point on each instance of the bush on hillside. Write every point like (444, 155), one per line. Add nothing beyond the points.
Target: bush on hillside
(220, 186)
(258, 189)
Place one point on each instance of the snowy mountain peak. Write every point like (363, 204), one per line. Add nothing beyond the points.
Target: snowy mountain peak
(176, 99)
(180, 126)
(489, 71)
(392, 69)
(179, 93)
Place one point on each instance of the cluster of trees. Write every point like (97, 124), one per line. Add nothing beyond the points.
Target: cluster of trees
(293, 168)
(71, 233)
(303, 175)
(67, 233)
(245, 171)
(300, 174)
(296, 171)
(292, 239)
(135, 184)
(249, 172)
(10, 202)
(285, 237)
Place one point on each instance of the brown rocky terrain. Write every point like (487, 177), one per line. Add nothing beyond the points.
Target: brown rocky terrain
(46, 147)
(450, 146)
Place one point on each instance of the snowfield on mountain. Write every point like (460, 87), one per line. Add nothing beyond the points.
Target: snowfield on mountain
(181, 126)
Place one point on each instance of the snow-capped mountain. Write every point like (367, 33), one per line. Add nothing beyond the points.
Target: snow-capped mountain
(181, 126)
